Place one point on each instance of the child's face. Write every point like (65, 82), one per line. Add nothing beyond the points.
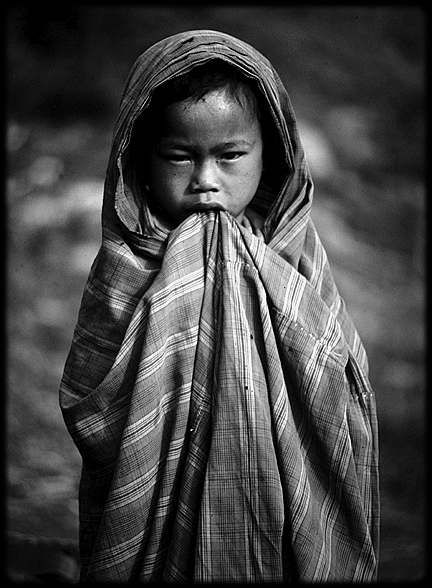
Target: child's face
(207, 155)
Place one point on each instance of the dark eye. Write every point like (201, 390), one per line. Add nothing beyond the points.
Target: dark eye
(231, 155)
(175, 156)
(179, 157)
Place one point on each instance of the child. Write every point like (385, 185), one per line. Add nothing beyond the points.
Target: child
(216, 387)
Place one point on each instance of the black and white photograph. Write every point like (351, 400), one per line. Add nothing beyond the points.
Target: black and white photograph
(215, 293)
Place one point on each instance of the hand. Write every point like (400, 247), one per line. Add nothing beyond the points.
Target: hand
(254, 222)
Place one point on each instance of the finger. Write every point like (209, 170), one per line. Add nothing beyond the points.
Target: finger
(256, 219)
(246, 223)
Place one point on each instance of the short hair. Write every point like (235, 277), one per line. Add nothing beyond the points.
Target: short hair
(205, 78)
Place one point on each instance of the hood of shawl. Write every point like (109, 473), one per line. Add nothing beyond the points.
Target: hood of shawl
(172, 57)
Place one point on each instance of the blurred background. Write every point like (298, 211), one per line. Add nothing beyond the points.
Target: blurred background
(356, 77)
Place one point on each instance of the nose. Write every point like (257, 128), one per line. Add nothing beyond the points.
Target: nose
(204, 178)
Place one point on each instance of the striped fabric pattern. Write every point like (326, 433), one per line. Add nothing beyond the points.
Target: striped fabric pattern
(216, 387)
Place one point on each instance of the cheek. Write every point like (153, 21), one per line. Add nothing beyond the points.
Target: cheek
(257, 162)
(162, 176)
(260, 161)
(168, 187)
(255, 170)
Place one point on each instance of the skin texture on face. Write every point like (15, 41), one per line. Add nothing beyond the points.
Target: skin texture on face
(206, 155)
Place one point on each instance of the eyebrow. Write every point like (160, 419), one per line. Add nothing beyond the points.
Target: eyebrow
(179, 144)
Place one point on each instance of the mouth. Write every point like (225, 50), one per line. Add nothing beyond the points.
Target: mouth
(203, 206)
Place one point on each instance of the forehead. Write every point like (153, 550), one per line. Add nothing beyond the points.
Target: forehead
(216, 112)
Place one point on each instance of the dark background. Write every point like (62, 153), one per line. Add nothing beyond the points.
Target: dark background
(356, 77)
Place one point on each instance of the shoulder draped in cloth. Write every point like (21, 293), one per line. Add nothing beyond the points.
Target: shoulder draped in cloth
(216, 387)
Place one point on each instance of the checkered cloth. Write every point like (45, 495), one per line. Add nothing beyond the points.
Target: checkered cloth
(216, 387)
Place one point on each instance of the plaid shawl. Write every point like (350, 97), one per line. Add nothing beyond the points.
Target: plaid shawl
(216, 387)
